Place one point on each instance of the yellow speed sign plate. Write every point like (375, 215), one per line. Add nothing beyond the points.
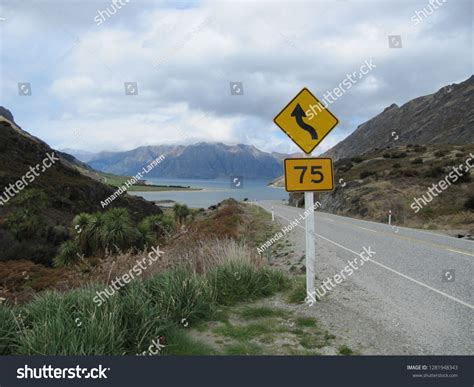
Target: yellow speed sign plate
(309, 174)
(306, 121)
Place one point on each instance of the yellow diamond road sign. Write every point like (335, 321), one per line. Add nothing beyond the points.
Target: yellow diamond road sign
(306, 121)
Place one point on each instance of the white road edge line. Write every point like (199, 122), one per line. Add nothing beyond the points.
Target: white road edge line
(389, 268)
(460, 252)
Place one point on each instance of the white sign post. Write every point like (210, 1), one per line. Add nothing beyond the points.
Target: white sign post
(307, 133)
(310, 242)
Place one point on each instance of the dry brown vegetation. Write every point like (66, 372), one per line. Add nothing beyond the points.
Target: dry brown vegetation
(392, 178)
(226, 234)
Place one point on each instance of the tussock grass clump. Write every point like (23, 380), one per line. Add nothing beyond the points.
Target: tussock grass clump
(181, 295)
(8, 331)
(142, 318)
(236, 282)
(71, 324)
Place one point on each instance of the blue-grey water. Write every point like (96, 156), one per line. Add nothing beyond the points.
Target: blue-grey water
(214, 191)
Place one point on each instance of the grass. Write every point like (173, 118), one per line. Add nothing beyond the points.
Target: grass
(182, 344)
(345, 350)
(73, 324)
(8, 330)
(297, 291)
(236, 282)
(305, 322)
(182, 295)
(243, 349)
(250, 313)
(244, 333)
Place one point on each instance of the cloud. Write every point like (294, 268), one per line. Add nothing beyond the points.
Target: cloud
(183, 59)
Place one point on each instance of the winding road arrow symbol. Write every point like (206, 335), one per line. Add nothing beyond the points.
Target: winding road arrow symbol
(299, 113)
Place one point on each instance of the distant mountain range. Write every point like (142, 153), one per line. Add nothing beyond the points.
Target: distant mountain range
(198, 161)
(445, 117)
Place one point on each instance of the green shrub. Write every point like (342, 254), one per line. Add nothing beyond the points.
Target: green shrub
(8, 331)
(398, 155)
(25, 221)
(57, 234)
(154, 227)
(419, 148)
(434, 172)
(181, 212)
(72, 324)
(24, 224)
(68, 254)
(365, 174)
(357, 159)
(409, 172)
(418, 160)
(439, 153)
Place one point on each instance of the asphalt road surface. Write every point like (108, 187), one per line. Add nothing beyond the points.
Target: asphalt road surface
(421, 281)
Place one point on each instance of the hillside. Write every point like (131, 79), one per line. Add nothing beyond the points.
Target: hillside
(197, 161)
(445, 117)
(45, 208)
(368, 186)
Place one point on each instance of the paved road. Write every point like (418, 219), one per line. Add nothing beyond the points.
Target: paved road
(406, 274)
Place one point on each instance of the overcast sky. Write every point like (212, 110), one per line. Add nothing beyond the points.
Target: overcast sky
(184, 54)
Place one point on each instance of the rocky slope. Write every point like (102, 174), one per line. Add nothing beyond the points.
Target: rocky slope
(368, 186)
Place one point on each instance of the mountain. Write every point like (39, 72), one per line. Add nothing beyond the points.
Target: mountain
(197, 161)
(66, 187)
(445, 117)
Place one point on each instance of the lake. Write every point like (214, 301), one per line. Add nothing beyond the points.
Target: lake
(214, 191)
